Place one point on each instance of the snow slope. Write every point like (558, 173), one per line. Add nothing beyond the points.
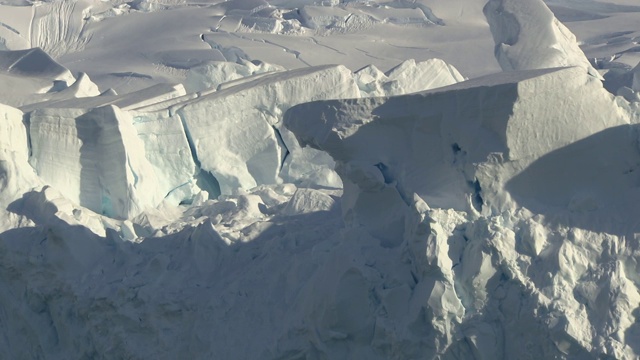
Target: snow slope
(216, 188)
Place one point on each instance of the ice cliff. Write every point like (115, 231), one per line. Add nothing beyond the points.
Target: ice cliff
(316, 213)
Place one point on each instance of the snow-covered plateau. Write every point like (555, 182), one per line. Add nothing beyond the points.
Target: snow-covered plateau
(319, 179)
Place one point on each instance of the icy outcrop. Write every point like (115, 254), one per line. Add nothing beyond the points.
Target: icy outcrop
(492, 278)
(134, 100)
(212, 74)
(528, 36)
(104, 162)
(426, 142)
(236, 133)
(407, 77)
(635, 85)
(16, 176)
(167, 150)
(191, 151)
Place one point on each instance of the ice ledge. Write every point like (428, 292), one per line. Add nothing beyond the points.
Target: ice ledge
(432, 143)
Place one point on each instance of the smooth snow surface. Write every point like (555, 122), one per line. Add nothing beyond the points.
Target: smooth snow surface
(252, 179)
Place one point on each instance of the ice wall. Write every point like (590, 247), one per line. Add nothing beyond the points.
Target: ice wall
(16, 176)
(430, 143)
(428, 180)
(407, 77)
(528, 36)
(94, 158)
(236, 133)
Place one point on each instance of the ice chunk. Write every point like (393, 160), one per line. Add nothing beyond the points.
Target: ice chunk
(167, 149)
(16, 176)
(410, 76)
(528, 36)
(95, 159)
(236, 132)
(334, 18)
(425, 143)
(308, 200)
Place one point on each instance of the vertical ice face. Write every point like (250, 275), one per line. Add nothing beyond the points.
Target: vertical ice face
(16, 176)
(635, 85)
(168, 152)
(429, 143)
(237, 132)
(94, 158)
(528, 36)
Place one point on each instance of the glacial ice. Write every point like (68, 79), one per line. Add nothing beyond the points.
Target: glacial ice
(427, 142)
(434, 217)
(495, 228)
(407, 77)
(16, 176)
(245, 144)
(104, 162)
(528, 36)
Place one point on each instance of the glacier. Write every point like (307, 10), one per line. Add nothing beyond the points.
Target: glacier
(464, 186)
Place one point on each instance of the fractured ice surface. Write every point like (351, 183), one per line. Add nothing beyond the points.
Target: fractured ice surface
(16, 176)
(104, 162)
(487, 219)
(407, 77)
(236, 132)
(426, 141)
(407, 164)
(528, 36)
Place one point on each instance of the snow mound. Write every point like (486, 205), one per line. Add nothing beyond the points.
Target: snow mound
(34, 63)
(133, 100)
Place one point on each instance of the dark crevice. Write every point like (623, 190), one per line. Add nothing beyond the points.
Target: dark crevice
(204, 179)
(456, 148)
(26, 120)
(476, 200)
(384, 169)
(282, 145)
